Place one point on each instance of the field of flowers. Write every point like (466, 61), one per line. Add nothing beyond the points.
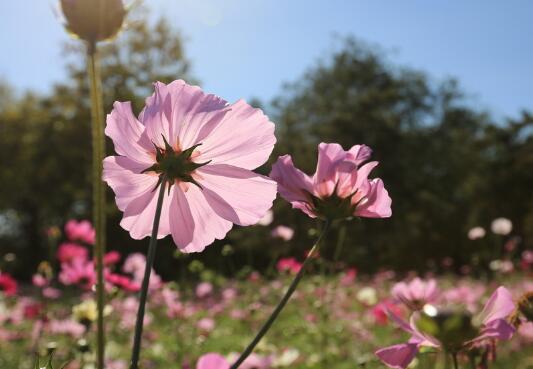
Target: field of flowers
(334, 320)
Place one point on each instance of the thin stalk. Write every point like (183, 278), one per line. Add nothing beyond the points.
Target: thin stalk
(292, 287)
(146, 279)
(98, 146)
(340, 243)
(454, 358)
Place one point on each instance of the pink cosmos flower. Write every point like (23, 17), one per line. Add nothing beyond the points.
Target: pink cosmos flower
(207, 150)
(134, 265)
(289, 265)
(8, 285)
(340, 187)
(204, 289)
(68, 251)
(493, 326)
(80, 231)
(78, 272)
(348, 277)
(417, 293)
(112, 257)
(212, 361)
(67, 326)
(283, 232)
(206, 325)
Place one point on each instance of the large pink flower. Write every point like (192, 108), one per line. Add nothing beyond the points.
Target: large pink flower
(207, 149)
(340, 187)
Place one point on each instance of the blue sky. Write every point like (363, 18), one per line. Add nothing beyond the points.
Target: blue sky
(245, 48)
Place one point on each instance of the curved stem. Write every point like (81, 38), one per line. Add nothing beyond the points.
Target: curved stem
(292, 287)
(146, 279)
(98, 147)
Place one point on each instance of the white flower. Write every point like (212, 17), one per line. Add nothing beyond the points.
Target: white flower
(501, 226)
(367, 295)
(476, 233)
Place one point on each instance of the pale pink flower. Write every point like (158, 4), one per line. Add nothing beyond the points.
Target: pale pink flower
(348, 277)
(416, 293)
(494, 326)
(134, 265)
(80, 231)
(67, 326)
(204, 289)
(38, 280)
(476, 233)
(212, 361)
(206, 325)
(283, 232)
(340, 187)
(501, 226)
(267, 218)
(51, 293)
(206, 147)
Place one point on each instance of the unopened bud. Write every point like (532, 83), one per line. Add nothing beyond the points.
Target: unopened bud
(93, 20)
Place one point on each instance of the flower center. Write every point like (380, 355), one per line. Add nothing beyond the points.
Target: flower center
(173, 165)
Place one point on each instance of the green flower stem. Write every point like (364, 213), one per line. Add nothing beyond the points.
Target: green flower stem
(264, 329)
(147, 270)
(98, 146)
(454, 358)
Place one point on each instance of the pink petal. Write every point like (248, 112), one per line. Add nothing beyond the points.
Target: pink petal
(244, 138)
(139, 214)
(377, 203)
(325, 179)
(359, 154)
(212, 361)
(293, 185)
(124, 176)
(238, 195)
(496, 329)
(126, 132)
(194, 224)
(499, 306)
(398, 356)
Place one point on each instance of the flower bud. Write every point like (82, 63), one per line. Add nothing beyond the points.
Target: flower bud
(93, 20)
(451, 327)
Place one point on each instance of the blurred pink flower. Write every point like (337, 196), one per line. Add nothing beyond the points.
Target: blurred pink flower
(340, 187)
(267, 218)
(67, 326)
(348, 277)
(476, 233)
(283, 232)
(494, 326)
(381, 309)
(69, 251)
(80, 231)
(212, 361)
(468, 295)
(8, 285)
(204, 289)
(206, 147)
(206, 325)
(38, 280)
(134, 265)
(289, 265)
(51, 293)
(78, 272)
(112, 257)
(416, 293)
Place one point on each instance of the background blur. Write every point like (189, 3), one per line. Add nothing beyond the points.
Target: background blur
(442, 92)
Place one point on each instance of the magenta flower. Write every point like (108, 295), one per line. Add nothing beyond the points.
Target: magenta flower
(68, 252)
(78, 272)
(289, 265)
(212, 361)
(417, 293)
(8, 285)
(80, 231)
(493, 325)
(340, 187)
(205, 148)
